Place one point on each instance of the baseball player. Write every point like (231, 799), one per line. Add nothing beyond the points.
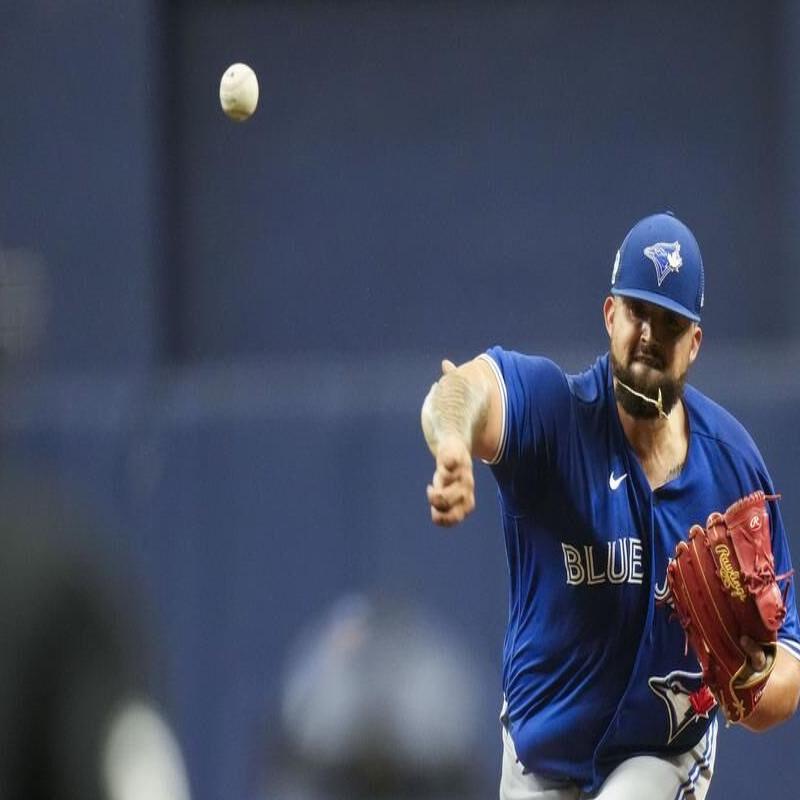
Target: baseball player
(599, 475)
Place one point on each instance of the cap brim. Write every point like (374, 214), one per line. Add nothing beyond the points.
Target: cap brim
(658, 300)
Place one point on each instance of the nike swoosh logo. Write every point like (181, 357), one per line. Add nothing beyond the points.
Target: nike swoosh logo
(614, 483)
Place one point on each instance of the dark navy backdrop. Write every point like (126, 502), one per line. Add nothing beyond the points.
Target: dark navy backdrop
(241, 320)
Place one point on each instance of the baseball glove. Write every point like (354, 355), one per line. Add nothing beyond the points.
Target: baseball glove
(723, 586)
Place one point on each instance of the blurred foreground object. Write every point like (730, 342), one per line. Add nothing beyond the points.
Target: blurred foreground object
(379, 701)
(76, 721)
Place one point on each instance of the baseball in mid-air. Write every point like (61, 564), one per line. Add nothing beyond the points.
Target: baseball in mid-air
(238, 92)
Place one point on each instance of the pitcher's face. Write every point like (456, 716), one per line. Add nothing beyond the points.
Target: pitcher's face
(651, 349)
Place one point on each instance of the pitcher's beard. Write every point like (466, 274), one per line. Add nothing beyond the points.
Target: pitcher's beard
(639, 408)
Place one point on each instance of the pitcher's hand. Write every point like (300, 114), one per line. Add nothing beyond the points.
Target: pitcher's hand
(451, 494)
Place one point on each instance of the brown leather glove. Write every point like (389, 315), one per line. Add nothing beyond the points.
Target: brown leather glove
(723, 586)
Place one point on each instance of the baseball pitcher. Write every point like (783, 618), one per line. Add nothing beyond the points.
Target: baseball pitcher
(650, 577)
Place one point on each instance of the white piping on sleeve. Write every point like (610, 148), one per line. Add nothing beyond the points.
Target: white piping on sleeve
(501, 445)
(790, 645)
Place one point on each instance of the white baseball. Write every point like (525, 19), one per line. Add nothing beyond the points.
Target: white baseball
(238, 92)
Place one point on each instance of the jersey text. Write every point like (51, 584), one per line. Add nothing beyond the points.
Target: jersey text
(620, 561)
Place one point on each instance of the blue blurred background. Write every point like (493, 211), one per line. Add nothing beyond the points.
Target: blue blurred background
(219, 335)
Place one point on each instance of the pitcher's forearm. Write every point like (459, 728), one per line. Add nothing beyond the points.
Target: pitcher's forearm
(781, 694)
(455, 406)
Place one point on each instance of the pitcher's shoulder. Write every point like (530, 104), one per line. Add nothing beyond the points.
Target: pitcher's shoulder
(591, 385)
(711, 420)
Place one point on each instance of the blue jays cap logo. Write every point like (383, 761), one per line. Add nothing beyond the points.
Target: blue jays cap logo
(666, 257)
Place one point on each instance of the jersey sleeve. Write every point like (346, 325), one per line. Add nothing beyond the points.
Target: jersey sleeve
(789, 633)
(535, 418)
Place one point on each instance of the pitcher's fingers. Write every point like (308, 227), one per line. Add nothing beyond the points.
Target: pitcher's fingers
(436, 500)
(447, 519)
(755, 653)
(448, 477)
(439, 478)
(443, 499)
(449, 461)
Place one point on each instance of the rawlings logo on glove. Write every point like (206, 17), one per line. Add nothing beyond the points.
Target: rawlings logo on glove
(728, 575)
(723, 586)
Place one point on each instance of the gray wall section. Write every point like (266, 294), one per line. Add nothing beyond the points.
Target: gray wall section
(241, 320)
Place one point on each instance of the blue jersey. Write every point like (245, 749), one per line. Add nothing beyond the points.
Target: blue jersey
(594, 668)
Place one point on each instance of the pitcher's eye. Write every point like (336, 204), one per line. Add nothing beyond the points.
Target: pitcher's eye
(636, 309)
(676, 325)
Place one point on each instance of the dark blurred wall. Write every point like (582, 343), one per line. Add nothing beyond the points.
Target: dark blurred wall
(240, 321)
(79, 185)
(464, 172)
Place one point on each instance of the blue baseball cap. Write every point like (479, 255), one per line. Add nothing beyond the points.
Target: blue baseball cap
(659, 262)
